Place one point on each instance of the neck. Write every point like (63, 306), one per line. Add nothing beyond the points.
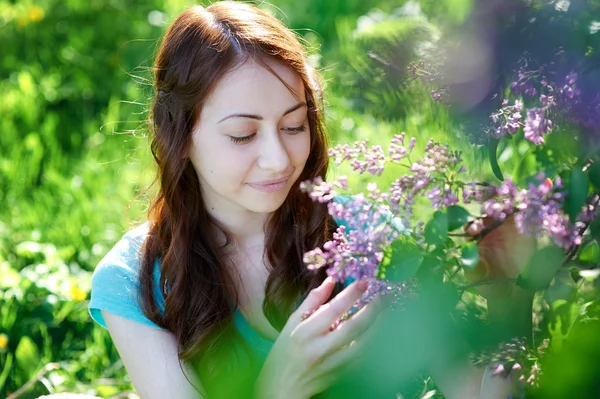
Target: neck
(246, 228)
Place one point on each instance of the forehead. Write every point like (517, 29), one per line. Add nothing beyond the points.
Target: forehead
(252, 88)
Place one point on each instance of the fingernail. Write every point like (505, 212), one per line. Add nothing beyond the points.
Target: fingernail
(328, 280)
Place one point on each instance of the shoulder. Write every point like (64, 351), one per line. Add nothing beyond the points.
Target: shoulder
(125, 255)
(115, 281)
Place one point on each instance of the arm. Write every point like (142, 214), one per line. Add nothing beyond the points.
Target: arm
(465, 381)
(150, 357)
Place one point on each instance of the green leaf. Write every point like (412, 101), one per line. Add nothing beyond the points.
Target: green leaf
(457, 217)
(492, 152)
(590, 255)
(576, 194)
(469, 255)
(564, 315)
(594, 172)
(525, 168)
(436, 230)
(6, 368)
(405, 260)
(27, 355)
(541, 268)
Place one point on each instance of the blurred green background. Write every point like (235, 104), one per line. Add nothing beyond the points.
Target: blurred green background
(75, 163)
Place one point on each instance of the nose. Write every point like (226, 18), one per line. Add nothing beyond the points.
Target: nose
(273, 154)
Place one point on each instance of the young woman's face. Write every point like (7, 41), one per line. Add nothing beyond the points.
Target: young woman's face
(252, 140)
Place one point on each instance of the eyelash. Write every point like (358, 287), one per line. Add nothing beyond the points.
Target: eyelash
(246, 139)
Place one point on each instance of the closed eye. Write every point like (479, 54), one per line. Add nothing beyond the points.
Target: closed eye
(297, 129)
(243, 139)
(247, 139)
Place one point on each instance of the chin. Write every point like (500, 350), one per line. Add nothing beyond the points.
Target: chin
(267, 204)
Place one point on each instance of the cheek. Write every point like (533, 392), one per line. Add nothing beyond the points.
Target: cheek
(299, 149)
(212, 163)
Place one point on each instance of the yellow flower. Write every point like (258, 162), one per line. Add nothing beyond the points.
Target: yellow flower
(3, 341)
(35, 13)
(78, 294)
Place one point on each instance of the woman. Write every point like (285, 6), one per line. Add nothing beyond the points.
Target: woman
(210, 295)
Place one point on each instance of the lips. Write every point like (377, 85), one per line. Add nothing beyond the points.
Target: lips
(271, 181)
(270, 185)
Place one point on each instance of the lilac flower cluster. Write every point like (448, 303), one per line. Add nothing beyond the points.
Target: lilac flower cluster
(539, 210)
(507, 119)
(433, 176)
(430, 176)
(513, 359)
(357, 249)
(555, 99)
(526, 80)
(536, 125)
(362, 157)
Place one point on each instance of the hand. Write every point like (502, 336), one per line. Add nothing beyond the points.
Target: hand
(503, 253)
(307, 357)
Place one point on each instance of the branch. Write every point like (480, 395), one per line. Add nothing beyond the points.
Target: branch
(488, 282)
(38, 377)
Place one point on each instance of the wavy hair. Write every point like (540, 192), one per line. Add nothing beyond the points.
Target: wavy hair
(199, 49)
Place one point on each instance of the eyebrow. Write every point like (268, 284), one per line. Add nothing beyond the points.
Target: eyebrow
(260, 118)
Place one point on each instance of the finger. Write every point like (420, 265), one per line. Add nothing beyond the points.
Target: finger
(316, 297)
(327, 314)
(353, 328)
(338, 362)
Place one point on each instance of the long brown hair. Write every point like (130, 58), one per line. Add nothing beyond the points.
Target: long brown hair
(199, 48)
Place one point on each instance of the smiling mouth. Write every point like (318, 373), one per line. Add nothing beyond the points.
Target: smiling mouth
(270, 186)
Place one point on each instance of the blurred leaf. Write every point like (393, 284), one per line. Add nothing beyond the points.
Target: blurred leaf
(406, 258)
(27, 355)
(594, 172)
(590, 255)
(493, 156)
(595, 229)
(107, 390)
(469, 255)
(457, 217)
(526, 167)
(564, 315)
(541, 268)
(436, 230)
(6, 367)
(576, 193)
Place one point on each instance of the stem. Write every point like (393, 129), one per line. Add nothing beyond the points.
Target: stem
(38, 377)
(487, 282)
(593, 199)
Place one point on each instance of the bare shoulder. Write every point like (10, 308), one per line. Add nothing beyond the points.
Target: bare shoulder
(150, 357)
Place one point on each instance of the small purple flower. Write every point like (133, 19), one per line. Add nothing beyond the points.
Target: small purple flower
(536, 126)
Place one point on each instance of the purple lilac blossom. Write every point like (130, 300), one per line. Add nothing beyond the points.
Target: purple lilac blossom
(361, 157)
(507, 120)
(538, 210)
(536, 125)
